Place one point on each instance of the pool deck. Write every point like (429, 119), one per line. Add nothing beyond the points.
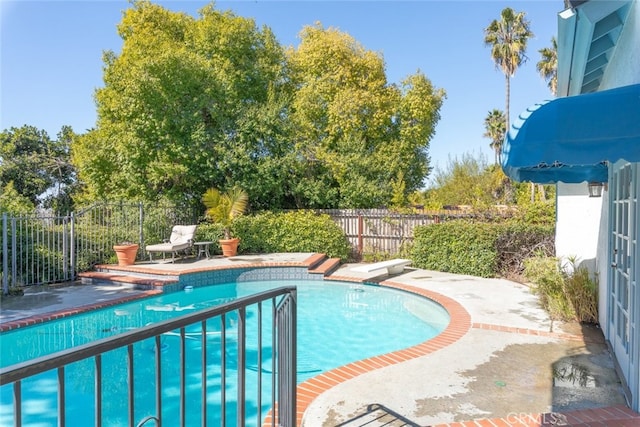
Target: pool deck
(500, 362)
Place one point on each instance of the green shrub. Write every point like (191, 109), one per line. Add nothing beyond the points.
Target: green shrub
(479, 248)
(548, 283)
(582, 291)
(461, 247)
(566, 293)
(210, 232)
(519, 241)
(298, 231)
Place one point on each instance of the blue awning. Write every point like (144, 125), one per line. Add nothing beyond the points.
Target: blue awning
(571, 139)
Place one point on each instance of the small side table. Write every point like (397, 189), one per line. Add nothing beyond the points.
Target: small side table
(203, 249)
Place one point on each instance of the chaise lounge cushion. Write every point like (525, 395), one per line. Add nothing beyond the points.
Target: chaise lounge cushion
(181, 238)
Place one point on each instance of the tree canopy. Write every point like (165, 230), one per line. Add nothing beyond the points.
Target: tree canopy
(37, 167)
(468, 180)
(174, 114)
(213, 101)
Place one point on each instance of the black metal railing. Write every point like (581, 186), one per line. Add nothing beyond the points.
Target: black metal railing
(283, 372)
(44, 248)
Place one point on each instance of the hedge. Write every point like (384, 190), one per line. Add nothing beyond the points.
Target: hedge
(479, 249)
(296, 231)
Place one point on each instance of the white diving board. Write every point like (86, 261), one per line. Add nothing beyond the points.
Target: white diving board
(393, 266)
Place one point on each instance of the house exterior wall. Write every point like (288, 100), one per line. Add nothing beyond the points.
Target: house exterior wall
(576, 235)
(581, 233)
(583, 226)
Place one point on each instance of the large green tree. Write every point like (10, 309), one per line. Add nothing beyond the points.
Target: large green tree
(189, 103)
(193, 103)
(358, 139)
(468, 180)
(508, 37)
(38, 167)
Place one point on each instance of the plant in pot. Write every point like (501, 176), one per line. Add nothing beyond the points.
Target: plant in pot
(223, 208)
(126, 252)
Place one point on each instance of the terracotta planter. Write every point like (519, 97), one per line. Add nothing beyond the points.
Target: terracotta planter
(229, 246)
(126, 253)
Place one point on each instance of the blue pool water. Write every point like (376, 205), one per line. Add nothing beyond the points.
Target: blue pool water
(338, 323)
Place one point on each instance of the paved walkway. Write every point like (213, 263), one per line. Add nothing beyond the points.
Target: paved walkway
(508, 364)
(501, 361)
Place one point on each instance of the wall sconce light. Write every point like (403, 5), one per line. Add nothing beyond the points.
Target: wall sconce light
(595, 189)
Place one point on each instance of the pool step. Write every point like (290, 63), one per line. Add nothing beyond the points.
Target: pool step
(127, 280)
(315, 260)
(326, 266)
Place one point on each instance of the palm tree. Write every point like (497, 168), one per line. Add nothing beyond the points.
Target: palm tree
(508, 39)
(548, 65)
(223, 208)
(495, 129)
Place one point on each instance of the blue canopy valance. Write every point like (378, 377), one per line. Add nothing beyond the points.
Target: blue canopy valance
(571, 139)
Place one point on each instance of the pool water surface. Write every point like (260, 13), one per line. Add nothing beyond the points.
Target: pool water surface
(338, 323)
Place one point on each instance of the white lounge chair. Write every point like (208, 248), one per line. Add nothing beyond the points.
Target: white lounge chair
(181, 239)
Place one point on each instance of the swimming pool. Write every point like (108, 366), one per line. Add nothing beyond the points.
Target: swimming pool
(338, 323)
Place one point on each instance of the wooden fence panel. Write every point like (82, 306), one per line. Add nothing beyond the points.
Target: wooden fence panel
(381, 230)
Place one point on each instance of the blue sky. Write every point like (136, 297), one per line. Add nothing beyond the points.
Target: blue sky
(51, 55)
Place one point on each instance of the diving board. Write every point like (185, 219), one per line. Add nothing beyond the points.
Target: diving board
(393, 266)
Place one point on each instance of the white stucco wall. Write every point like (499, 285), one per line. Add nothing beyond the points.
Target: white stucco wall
(582, 222)
(582, 233)
(577, 223)
(603, 263)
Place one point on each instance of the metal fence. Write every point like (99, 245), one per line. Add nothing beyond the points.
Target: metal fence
(279, 385)
(44, 248)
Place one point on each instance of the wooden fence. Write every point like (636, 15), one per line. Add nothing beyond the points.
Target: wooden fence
(381, 231)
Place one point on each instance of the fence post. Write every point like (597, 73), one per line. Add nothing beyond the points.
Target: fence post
(14, 261)
(360, 239)
(65, 249)
(72, 246)
(5, 256)
(141, 227)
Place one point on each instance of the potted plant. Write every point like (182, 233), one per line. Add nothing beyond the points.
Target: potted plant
(126, 252)
(223, 208)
